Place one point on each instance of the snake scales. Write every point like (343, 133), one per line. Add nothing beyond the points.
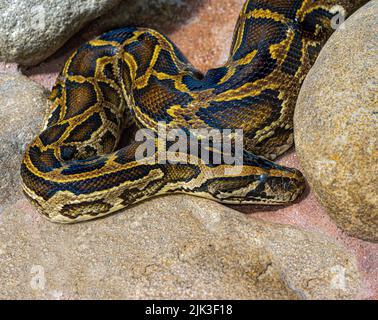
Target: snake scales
(76, 170)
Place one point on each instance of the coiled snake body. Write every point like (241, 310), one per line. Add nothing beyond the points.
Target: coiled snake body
(76, 170)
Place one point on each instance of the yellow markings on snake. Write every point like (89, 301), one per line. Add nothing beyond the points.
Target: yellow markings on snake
(78, 167)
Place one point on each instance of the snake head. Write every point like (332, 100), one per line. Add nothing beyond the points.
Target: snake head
(269, 184)
(278, 186)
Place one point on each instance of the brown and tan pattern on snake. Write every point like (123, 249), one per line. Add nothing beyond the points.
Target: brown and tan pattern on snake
(76, 170)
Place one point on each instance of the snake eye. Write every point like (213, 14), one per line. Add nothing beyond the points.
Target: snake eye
(263, 178)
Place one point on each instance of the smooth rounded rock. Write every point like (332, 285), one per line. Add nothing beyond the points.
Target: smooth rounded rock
(31, 30)
(336, 125)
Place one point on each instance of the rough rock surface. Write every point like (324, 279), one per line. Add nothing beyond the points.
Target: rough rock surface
(336, 127)
(31, 30)
(171, 247)
(22, 106)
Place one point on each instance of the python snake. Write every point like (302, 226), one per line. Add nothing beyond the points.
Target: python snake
(76, 169)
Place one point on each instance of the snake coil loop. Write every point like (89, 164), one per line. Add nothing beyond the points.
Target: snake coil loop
(74, 170)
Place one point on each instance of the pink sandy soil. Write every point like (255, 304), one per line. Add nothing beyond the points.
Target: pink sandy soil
(205, 38)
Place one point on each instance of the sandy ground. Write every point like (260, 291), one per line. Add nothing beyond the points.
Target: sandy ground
(203, 31)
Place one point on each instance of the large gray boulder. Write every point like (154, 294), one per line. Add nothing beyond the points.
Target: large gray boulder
(31, 30)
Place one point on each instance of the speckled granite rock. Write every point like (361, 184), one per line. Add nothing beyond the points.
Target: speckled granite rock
(31, 30)
(22, 106)
(336, 127)
(172, 247)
